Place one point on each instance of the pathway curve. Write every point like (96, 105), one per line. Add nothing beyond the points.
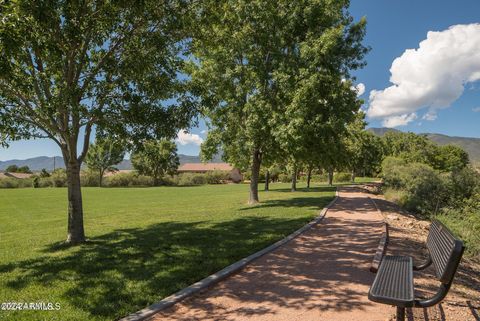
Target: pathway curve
(321, 275)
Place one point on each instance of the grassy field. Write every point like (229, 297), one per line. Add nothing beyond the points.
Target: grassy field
(144, 243)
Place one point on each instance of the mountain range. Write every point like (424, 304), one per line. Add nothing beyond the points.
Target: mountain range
(469, 144)
(49, 163)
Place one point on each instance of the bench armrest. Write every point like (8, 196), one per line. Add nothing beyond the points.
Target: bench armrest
(381, 250)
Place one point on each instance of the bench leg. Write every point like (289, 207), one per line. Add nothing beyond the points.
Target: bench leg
(400, 314)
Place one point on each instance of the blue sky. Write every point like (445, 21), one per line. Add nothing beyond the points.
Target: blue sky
(393, 27)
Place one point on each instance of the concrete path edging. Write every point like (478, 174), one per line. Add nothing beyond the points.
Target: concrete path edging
(222, 274)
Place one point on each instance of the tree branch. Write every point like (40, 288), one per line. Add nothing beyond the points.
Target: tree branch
(86, 141)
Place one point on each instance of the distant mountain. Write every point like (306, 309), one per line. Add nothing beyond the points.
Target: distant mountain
(382, 130)
(37, 163)
(469, 144)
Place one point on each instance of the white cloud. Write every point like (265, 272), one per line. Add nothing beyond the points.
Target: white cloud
(401, 120)
(430, 115)
(476, 109)
(432, 76)
(203, 131)
(185, 138)
(360, 88)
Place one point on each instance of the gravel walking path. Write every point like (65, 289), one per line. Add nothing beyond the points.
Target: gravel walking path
(321, 275)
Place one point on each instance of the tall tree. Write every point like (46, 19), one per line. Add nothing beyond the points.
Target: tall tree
(156, 159)
(70, 66)
(364, 149)
(253, 55)
(104, 154)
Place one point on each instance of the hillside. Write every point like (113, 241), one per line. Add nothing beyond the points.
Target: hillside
(469, 144)
(37, 163)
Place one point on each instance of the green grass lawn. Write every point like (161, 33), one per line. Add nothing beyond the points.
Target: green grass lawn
(144, 243)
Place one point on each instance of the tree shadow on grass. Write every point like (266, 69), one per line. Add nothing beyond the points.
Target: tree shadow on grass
(123, 271)
(315, 203)
(317, 189)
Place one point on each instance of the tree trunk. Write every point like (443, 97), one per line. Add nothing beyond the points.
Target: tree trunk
(100, 179)
(294, 179)
(267, 180)
(75, 233)
(353, 176)
(330, 176)
(256, 162)
(309, 176)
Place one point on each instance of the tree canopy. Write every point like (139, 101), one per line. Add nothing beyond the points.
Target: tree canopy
(104, 154)
(68, 67)
(258, 61)
(156, 159)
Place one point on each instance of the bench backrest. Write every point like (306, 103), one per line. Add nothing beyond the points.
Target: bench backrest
(445, 251)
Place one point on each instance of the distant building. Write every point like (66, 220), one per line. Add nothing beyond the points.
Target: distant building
(15, 175)
(235, 174)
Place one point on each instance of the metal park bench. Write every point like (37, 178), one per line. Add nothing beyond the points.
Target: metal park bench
(393, 283)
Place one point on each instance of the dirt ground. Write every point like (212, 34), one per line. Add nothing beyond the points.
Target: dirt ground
(408, 234)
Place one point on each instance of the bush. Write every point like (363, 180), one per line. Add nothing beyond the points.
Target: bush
(342, 177)
(186, 179)
(217, 177)
(10, 182)
(89, 178)
(36, 182)
(59, 178)
(284, 178)
(128, 180)
(424, 189)
(45, 182)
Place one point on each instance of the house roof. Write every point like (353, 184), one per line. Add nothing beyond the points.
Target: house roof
(201, 167)
(15, 175)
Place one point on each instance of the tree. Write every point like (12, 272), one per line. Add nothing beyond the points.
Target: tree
(251, 54)
(364, 149)
(418, 148)
(104, 154)
(450, 158)
(12, 169)
(44, 173)
(68, 67)
(24, 169)
(156, 159)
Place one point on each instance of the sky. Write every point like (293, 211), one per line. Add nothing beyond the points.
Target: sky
(422, 73)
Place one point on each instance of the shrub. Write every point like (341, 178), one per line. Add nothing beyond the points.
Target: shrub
(186, 179)
(89, 178)
(36, 182)
(217, 177)
(45, 182)
(342, 177)
(10, 182)
(424, 189)
(284, 178)
(59, 178)
(391, 171)
(128, 179)
(462, 185)
(44, 173)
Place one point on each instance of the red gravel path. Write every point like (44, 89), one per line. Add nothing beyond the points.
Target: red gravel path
(321, 275)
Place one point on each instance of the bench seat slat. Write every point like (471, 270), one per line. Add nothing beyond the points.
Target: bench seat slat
(393, 283)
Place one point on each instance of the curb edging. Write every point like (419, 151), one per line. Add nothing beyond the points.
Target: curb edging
(222, 274)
